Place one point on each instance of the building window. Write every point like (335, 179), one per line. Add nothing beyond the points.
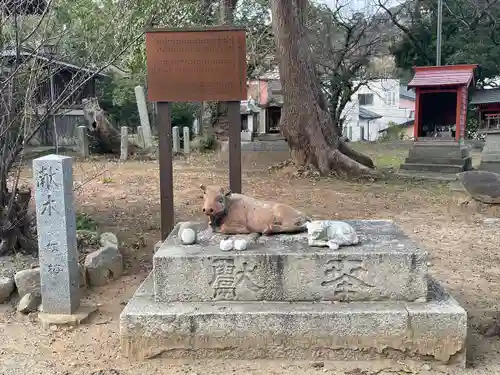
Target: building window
(365, 99)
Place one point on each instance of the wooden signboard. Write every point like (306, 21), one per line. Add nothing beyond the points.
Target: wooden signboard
(194, 65)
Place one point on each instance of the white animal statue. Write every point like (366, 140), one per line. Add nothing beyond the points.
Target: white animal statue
(331, 233)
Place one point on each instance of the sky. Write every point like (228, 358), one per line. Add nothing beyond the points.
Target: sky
(358, 5)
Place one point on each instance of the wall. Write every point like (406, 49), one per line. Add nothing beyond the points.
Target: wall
(66, 125)
(386, 102)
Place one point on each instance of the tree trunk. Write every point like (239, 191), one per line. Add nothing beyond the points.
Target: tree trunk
(305, 121)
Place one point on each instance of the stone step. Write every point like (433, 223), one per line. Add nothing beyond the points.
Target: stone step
(386, 265)
(447, 161)
(432, 176)
(438, 152)
(442, 168)
(435, 330)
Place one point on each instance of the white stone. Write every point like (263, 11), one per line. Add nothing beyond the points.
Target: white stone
(240, 244)
(331, 233)
(188, 236)
(226, 245)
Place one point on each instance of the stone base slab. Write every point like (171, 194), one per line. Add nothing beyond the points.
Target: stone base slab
(79, 317)
(434, 330)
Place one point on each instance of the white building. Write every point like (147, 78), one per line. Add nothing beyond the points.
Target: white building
(374, 106)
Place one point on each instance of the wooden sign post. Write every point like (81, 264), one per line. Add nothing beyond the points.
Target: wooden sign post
(195, 65)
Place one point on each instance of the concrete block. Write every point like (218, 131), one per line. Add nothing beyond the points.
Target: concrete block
(299, 330)
(385, 266)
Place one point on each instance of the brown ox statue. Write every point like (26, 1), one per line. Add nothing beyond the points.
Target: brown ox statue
(232, 213)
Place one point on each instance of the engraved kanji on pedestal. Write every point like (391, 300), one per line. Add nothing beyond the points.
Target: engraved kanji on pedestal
(56, 228)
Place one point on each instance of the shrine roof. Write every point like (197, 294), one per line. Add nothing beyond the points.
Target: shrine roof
(486, 96)
(448, 75)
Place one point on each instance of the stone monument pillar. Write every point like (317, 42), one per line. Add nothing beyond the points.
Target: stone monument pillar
(144, 116)
(56, 227)
(176, 141)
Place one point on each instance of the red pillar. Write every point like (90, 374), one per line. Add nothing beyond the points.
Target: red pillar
(416, 123)
(458, 119)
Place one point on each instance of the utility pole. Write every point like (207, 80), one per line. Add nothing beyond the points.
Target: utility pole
(439, 32)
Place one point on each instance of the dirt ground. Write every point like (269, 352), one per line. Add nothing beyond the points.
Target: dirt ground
(124, 198)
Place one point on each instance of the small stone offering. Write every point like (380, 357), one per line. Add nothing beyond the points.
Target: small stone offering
(226, 245)
(240, 244)
(188, 236)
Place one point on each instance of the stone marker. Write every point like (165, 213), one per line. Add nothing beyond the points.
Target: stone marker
(124, 143)
(176, 146)
(186, 138)
(143, 115)
(83, 141)
(196, 127)
(56, 226)
(140, 137)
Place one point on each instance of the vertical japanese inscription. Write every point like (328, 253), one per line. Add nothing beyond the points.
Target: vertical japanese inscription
(344, 276)
(45, 180)
(226, 278)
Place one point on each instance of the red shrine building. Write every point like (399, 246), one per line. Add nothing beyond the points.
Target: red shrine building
(442, 95)
(441, 100)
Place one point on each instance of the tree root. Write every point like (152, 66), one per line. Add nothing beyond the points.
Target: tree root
(360, 158)
(15, 226)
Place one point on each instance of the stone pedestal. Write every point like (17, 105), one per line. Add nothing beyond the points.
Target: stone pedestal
(281, 298)
(434, 155)
(490, 156)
